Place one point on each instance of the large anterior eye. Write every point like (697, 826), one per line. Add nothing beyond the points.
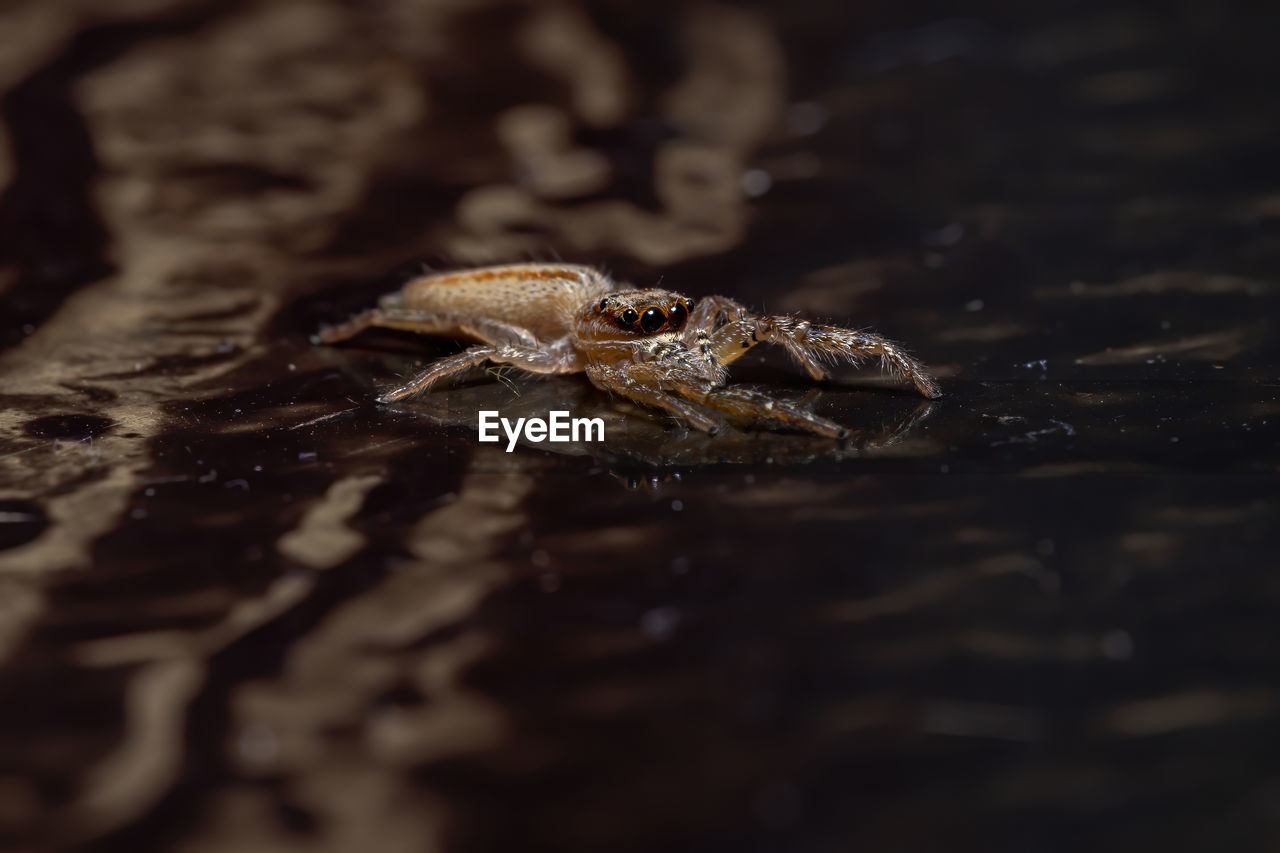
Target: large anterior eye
(676, 315)
(652, 320)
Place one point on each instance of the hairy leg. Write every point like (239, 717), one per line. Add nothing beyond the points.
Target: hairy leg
(424, 323)
(754, 405)
(713, 315)
(439, 370)
(526, 358)
(642, 387)
(809, 344)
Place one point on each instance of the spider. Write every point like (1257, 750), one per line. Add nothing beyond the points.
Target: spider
(655, 347)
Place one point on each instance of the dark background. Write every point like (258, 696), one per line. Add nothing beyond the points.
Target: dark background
(244, 607)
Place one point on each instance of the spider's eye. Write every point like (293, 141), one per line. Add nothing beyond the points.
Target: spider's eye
(677, 315)
(604, 303)
(629, 317)
(652, 320)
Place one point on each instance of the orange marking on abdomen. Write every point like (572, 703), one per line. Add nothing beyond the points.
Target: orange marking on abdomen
(489, 275)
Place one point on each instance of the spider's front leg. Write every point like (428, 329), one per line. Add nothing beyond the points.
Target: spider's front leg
(643, 383)
(809, 343)
(744, 404)
(663, 382)
(714, 314)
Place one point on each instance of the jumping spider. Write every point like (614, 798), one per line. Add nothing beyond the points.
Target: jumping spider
(655, 347)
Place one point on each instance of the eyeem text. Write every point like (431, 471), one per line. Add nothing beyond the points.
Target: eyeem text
(558, 427)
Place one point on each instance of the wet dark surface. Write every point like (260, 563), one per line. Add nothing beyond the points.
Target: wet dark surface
(246, 607)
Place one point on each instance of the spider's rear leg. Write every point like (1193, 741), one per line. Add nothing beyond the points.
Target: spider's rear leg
(347, 330)
(530, 359)
(439, 370)
(808, 343)
(754, 405)
(390, 316)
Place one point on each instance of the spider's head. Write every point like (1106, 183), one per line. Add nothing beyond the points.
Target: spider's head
(631, 314)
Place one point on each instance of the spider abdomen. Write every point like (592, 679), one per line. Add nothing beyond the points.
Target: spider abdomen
(542, 298)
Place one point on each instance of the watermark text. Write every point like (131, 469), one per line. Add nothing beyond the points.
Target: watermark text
(558, 427)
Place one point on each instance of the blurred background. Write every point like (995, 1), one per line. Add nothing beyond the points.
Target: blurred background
(244, 607)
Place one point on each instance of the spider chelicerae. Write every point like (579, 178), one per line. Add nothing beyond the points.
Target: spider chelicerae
(655, 347)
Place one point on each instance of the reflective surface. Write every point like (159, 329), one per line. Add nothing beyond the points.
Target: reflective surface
(242, 606)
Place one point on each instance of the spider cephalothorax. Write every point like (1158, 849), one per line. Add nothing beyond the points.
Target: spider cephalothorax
(654, 346)
(640, 312)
